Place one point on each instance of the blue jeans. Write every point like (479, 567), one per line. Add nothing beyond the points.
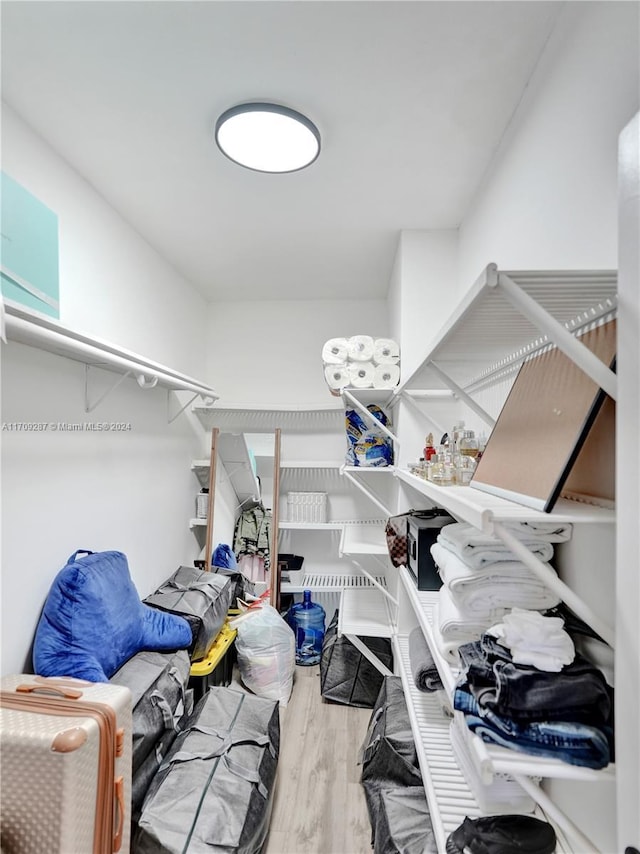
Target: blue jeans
(575, 743)
(578, 693)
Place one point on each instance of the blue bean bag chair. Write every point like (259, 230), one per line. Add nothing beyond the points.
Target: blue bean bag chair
(93, 620)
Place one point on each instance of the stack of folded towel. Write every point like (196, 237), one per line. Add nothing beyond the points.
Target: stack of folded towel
(483, 580)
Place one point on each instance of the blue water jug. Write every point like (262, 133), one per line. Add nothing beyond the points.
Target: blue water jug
(307, 619)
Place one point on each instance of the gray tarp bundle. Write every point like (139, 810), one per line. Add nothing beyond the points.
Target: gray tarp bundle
(160, 704)
(214, 792)
(404, 823)
(346, 676)
(388, 756)
(202, 598)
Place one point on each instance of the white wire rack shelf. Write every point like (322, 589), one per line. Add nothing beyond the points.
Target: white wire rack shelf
(490, 759)
(494, 323)
(366, 539)
(234, 454)
(331, 583)
(364, 612)
(261, 419)
(448, 793)
(481, 509)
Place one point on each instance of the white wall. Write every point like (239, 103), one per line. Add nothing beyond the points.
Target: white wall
(271, 352)
(549, 201)
(429, 289)
(113, 285)
(133, 490)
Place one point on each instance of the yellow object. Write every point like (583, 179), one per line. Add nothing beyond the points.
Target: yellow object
(223, 641)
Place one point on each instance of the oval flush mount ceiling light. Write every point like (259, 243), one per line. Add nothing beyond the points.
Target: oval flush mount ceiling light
(267, 137)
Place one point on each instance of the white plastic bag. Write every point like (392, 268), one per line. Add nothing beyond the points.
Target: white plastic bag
(266, 651)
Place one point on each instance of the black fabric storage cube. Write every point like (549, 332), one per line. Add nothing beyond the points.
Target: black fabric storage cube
(389, 757)
(346, 676)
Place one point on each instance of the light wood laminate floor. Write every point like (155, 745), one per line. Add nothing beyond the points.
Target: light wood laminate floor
(319, 805)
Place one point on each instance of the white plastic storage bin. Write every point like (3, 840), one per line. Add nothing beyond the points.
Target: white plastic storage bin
(307, 506)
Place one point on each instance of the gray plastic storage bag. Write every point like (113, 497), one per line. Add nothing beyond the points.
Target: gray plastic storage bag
(161, 704)
(404, 822)
(346, 676)
(388, 755)
(202, 598)
(214, 792)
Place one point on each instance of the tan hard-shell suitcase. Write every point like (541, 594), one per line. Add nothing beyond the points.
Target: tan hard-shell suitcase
(65, 753)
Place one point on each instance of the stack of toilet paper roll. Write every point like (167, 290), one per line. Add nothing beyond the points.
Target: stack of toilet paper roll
(361, 362)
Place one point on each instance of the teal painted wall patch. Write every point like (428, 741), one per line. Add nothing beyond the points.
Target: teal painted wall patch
(29, 253)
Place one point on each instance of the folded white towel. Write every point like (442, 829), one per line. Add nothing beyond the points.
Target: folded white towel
(552, 532)
(536, 640)
(492, 591)
(454, 627)
(478, 549)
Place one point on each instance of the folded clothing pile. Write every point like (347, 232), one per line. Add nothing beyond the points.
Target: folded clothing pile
(394, 793)
(561, 711)
(483, 579)
(361, 362)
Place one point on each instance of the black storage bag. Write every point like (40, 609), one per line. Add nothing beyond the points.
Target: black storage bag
(160, 704)
(202, 598)
(214, 792)
(346, 676)
(388, 755)
(404, 822)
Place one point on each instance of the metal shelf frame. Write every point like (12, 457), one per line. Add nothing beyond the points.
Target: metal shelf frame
(509, 315)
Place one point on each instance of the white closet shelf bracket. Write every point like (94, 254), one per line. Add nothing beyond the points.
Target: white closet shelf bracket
(368, 492)
(461, 393)
(411, 400)
(559, 334)
(370, 656)
(578, 839)
(551, 580)
(375, 583)
(370, 417)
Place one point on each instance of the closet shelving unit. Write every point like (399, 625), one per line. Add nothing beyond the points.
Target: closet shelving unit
(312, 418)
(504, 319)
(233, 452)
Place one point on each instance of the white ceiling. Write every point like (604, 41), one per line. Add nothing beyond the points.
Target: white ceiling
(411, 99)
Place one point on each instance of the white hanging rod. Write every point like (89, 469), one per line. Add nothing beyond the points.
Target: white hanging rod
(55, 338)
(551, 580)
